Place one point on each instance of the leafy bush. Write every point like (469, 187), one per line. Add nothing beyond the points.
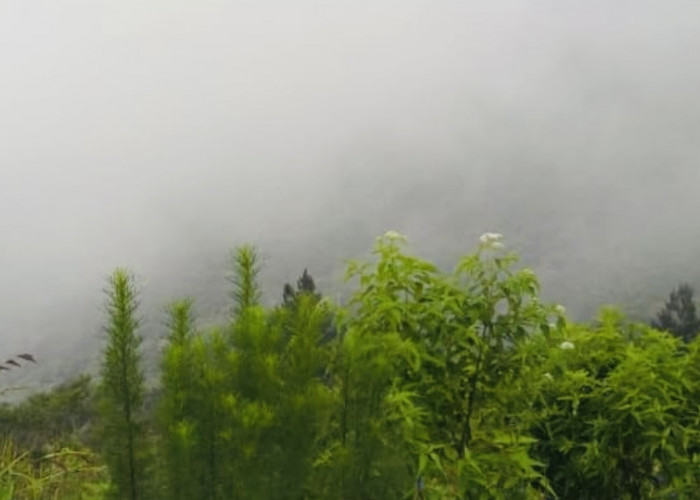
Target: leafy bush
(427, 385)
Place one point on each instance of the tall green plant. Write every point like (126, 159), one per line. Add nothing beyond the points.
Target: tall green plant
(244, 409)
(245, 269)
(445, 346)
(378, 426)
(121, 390)
(200, 425)
(305, 398)
(277, 402)
(206, 427)
(488, 314)
(176, 403)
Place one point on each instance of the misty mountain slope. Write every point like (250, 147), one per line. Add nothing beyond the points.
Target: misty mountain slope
(208, 285)
(160, 135)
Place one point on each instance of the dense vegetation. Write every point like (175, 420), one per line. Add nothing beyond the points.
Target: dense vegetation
(426, 385)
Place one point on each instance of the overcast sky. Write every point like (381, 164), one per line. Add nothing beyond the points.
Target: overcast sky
(150, 133)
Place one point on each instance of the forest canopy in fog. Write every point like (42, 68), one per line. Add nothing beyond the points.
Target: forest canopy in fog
(215, 167)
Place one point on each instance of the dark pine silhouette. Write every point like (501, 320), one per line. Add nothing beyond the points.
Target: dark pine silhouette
(679, 315)
(305, 285)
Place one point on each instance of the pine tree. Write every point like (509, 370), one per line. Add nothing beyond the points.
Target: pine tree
(181, 322)
(176, 404)
(121, 394)
(303, 400)
(679, 315)
(245, 264)
(279, 404)
(305, 286)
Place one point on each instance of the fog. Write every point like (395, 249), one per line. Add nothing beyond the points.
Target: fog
(159, 134)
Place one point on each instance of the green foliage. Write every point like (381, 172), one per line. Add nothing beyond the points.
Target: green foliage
(613, 414)
(243, 409)
(175, 403)
(181, 322)
(63, 415)
(306, 293)
(278, 403)
(433, 385)
(121, 391)
(439, 386)
(61, 474)
(448, 344)
(245, 268)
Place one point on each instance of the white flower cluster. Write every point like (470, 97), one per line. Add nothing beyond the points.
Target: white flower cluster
(493, 241)
(566, 345)
(393, 235)
(560, 310)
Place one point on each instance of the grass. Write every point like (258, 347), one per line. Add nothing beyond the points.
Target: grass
(62, 474)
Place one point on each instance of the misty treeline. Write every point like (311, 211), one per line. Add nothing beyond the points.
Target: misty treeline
(425, 385)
